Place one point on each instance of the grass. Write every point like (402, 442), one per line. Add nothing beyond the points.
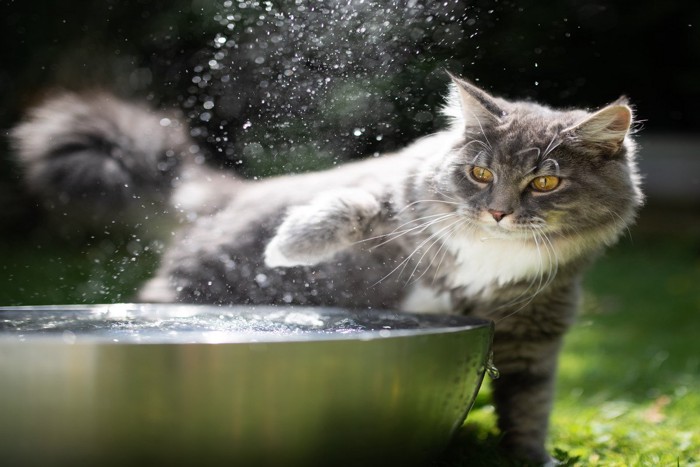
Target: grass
(629, 380)
(40, 270)
(630, 372)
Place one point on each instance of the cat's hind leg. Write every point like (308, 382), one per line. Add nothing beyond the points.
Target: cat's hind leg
(315, 232)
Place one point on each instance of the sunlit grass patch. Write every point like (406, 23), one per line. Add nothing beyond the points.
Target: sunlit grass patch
(623, 433)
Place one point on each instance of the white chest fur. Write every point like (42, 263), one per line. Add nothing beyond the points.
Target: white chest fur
(483, 263)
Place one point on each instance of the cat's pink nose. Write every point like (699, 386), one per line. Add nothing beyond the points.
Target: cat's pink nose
(498, 215)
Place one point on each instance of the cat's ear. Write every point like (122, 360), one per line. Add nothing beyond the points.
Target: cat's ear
(606, 128)
(472, 105)
(622, 100)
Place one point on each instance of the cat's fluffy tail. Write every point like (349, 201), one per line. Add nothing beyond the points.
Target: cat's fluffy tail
(96, 157)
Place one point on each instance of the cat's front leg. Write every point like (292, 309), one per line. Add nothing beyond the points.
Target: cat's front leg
(523, 393)
(526, 349)
(315, 232)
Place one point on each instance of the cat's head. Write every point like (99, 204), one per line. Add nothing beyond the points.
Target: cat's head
(522, 169)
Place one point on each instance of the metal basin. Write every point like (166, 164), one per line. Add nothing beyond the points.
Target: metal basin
(197, 385)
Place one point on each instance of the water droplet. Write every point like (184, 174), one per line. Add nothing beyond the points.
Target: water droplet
(69, 337)
(261, 280)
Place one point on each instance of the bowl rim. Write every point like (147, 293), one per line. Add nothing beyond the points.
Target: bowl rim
(445, 324)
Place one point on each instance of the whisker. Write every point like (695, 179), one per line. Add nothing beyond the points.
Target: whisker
(523, 296)
(404, 263)
(396, 233)
(555, 163)
(441, 193)
(554, 265)
(552, 270)
(534, 148)
(549, 146)
(622, 224)
(482, 129)
(420, 228)
(472, 141)
(453, 228)
(437, 235)
(445, 250)
(478, 155)
(417, 220)
(428, 201)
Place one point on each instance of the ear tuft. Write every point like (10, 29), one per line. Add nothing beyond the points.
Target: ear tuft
(607, 128)
(622, 100)
(469, 105)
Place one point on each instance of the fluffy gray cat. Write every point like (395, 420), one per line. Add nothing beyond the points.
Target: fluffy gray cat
(497, 216)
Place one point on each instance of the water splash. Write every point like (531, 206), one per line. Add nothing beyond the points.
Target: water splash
(208, 324)
(302, 76)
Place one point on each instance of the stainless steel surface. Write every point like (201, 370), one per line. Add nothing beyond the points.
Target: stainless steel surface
(179, 384)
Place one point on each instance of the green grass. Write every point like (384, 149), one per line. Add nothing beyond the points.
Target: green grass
(630, 374)
(629, 380)
(40, 270)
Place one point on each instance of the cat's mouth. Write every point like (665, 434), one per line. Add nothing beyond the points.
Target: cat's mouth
(503, 234)
(510, 230)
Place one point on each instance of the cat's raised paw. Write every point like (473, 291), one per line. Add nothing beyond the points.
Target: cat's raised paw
(314, 233)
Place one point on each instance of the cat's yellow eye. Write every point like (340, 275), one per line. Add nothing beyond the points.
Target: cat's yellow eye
(545, 183)
(482, 174)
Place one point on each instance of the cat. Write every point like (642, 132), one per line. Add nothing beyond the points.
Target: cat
(496, 216)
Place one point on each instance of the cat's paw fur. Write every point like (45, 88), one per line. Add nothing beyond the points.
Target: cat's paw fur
(315, 232)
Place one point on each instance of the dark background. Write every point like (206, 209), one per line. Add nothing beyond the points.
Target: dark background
(292, 86)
